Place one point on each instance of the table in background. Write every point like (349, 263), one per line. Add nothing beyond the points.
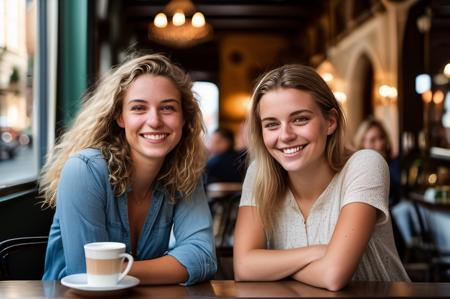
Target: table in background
(230, 289)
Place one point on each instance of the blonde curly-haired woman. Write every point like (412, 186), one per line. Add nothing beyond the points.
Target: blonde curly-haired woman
(128, 170)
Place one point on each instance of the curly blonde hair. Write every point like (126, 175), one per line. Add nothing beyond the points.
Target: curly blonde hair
(269, 189)
(95, 127)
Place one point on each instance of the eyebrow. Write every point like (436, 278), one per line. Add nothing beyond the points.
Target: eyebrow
(290, 115)
(162, 102)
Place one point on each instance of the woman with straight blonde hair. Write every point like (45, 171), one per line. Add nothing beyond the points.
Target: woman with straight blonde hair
(310, 209)
(129, 170)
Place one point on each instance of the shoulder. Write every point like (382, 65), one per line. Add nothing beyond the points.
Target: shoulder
(365, 168)
(89, 154)
(85, 170)
(366, 160)
(366, 154)
(251, 170)
(88, 158)
(247, 198)
(365, 178)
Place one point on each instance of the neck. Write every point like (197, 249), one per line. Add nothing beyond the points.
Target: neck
(309, 184)
(144, 175)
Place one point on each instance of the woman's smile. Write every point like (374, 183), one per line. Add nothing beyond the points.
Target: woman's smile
(292, 151)
(158, 137)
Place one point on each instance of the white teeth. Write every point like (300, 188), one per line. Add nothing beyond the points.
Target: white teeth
(154, 136)
(292, 150)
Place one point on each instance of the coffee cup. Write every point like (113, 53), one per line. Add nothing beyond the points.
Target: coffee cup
(104, 262)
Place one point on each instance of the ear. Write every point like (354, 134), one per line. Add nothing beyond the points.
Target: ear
(332, 121)
(120, 122)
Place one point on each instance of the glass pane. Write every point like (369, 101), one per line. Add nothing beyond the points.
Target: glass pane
(208, 95)
(17, 44)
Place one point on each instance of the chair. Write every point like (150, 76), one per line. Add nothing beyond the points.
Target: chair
(22, 258)
(224, 205)
(434, 219)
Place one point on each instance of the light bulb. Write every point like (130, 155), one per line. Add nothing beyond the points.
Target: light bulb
(160, 20)
(438, 97)
(427, 96)
(327, 77)
(340, 96)
(198, 20)
(384, 91)
(447, 70)
(178, 18)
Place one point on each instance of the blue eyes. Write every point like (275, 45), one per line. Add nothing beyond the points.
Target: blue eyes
(143, 108)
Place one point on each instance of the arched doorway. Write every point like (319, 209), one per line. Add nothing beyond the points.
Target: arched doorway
(366, 82)
(362, 86)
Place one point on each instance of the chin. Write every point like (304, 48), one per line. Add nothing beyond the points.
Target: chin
(289, 166)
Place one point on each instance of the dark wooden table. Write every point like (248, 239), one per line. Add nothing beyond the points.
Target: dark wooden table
(230, 289)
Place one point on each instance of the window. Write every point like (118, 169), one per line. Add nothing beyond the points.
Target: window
(208, 95)
(24, 85)
(17, 44)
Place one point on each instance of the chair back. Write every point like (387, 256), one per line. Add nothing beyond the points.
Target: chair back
(224, 205)
(23, 258)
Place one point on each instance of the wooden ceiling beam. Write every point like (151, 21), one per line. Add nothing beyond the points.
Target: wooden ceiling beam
(230, 10)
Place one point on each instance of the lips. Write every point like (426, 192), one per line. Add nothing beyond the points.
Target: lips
(293, 150)
(154, 136)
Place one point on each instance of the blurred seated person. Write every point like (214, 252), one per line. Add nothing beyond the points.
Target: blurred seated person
(372, 134)
(224, 163)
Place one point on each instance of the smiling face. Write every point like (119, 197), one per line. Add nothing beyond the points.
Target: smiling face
(376, 140)
(294, 129)
(152, 117)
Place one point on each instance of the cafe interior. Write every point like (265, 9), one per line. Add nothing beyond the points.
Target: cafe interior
(385, 59)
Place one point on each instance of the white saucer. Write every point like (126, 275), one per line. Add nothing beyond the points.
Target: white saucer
(79, 282)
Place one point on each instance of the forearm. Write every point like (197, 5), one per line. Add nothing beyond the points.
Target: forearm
(162, 270)
(323, 273)
(267, 265)
(350, 238)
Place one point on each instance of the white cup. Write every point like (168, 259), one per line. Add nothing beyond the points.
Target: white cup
(104, 263)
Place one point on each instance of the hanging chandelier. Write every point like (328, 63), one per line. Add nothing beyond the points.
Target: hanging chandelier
(186, 28)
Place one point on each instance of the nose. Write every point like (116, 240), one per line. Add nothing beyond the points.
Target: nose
(154, 119)
(287, 133)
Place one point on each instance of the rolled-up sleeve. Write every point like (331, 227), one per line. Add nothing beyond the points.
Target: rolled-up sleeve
(192, 229)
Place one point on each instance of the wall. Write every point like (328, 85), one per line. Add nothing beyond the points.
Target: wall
(373, 39)
(243, 57)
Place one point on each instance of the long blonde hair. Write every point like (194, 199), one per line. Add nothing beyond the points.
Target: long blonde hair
(362, 130)
(95, 127)
(270, 184)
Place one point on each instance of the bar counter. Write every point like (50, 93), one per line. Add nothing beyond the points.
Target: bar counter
(230, 289)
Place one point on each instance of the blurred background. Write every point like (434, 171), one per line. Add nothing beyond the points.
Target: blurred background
(384, 59)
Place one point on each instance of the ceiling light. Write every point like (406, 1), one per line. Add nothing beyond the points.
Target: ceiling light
(187, 28)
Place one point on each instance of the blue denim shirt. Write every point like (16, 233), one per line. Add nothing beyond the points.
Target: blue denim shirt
(88, 211)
